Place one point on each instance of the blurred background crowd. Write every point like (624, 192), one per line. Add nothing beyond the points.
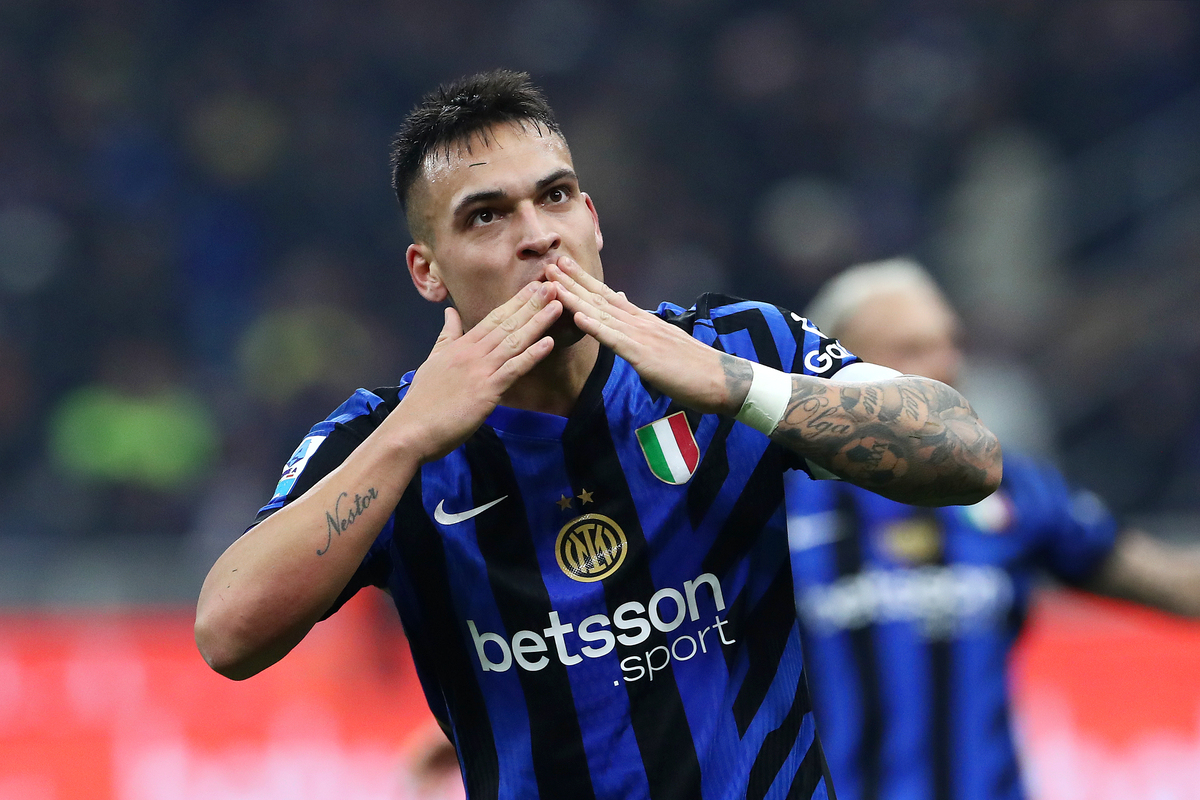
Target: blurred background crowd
(200, 254)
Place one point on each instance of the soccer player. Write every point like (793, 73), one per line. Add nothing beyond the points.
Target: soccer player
(908, 614)
(576, 504)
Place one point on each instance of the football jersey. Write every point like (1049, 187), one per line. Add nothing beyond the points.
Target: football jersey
(602, 605)
(908, 616)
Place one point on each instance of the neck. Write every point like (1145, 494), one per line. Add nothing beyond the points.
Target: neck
(553, 386)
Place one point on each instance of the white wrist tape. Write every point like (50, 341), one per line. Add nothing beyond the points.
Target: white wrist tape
(862, 371)
(768, 398)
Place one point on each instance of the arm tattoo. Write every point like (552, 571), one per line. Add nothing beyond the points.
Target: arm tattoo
(738, 376)
(343, 515)
(911, 439)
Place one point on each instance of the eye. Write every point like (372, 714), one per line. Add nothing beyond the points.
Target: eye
(483, 216)
(559, 194)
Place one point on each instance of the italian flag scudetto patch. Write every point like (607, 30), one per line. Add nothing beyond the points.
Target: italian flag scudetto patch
(670, 448)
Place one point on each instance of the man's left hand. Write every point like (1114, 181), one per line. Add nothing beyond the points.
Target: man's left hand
(667, 358)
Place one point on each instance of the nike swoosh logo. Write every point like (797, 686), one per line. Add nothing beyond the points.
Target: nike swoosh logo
(445, 518)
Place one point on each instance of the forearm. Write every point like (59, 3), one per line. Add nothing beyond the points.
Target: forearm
(910, 439)
(270, 587)
(1146, 570)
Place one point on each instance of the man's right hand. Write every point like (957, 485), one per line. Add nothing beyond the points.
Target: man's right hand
(466, 374)
(271, 586)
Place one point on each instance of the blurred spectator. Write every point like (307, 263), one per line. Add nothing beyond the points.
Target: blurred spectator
(311, 339)
(139, 435)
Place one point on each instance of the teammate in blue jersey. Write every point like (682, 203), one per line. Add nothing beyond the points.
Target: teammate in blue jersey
(909, 614)
(576, 504)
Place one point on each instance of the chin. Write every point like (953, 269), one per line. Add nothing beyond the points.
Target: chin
(564, 332)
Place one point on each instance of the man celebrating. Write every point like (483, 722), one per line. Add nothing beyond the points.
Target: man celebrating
(576, 504)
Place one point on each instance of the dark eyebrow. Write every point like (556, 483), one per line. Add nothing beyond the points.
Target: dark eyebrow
(556, 176)
(492, 195)
(488, 196)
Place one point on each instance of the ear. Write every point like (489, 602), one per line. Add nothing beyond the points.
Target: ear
(424, 273)
(587, 198)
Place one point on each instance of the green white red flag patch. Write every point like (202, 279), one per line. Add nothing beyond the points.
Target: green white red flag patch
(670, 448)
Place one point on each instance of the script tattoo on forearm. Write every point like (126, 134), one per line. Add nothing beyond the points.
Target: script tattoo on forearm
(343, 515)
(912, 439)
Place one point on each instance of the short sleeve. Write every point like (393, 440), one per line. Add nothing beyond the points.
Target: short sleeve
(770, 335)
(1076, 529)
(326, 446)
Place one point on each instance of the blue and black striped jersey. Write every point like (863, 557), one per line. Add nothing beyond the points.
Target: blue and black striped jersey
(908, 616)
(602, 605)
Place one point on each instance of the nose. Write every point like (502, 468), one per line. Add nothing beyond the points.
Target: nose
(538, 235)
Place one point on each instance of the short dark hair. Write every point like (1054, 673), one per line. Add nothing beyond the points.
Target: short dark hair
(455, 111)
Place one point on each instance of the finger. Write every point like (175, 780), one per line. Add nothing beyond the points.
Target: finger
(520, 364)
(604, 332)
(582, 304)
(503, 311)
(615, 328)
(599, 322)
(451, 329)
(542, 295)
(517, 341)
(592, 290)
(567, 273)
(586, 282)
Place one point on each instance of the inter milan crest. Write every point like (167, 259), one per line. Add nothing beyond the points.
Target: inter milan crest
(916, 541)
(590, 548)
(670, 449)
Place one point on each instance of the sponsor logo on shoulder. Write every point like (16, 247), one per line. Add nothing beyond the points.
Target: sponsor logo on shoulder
(296, 464)
(821, 361)
(807, 324)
